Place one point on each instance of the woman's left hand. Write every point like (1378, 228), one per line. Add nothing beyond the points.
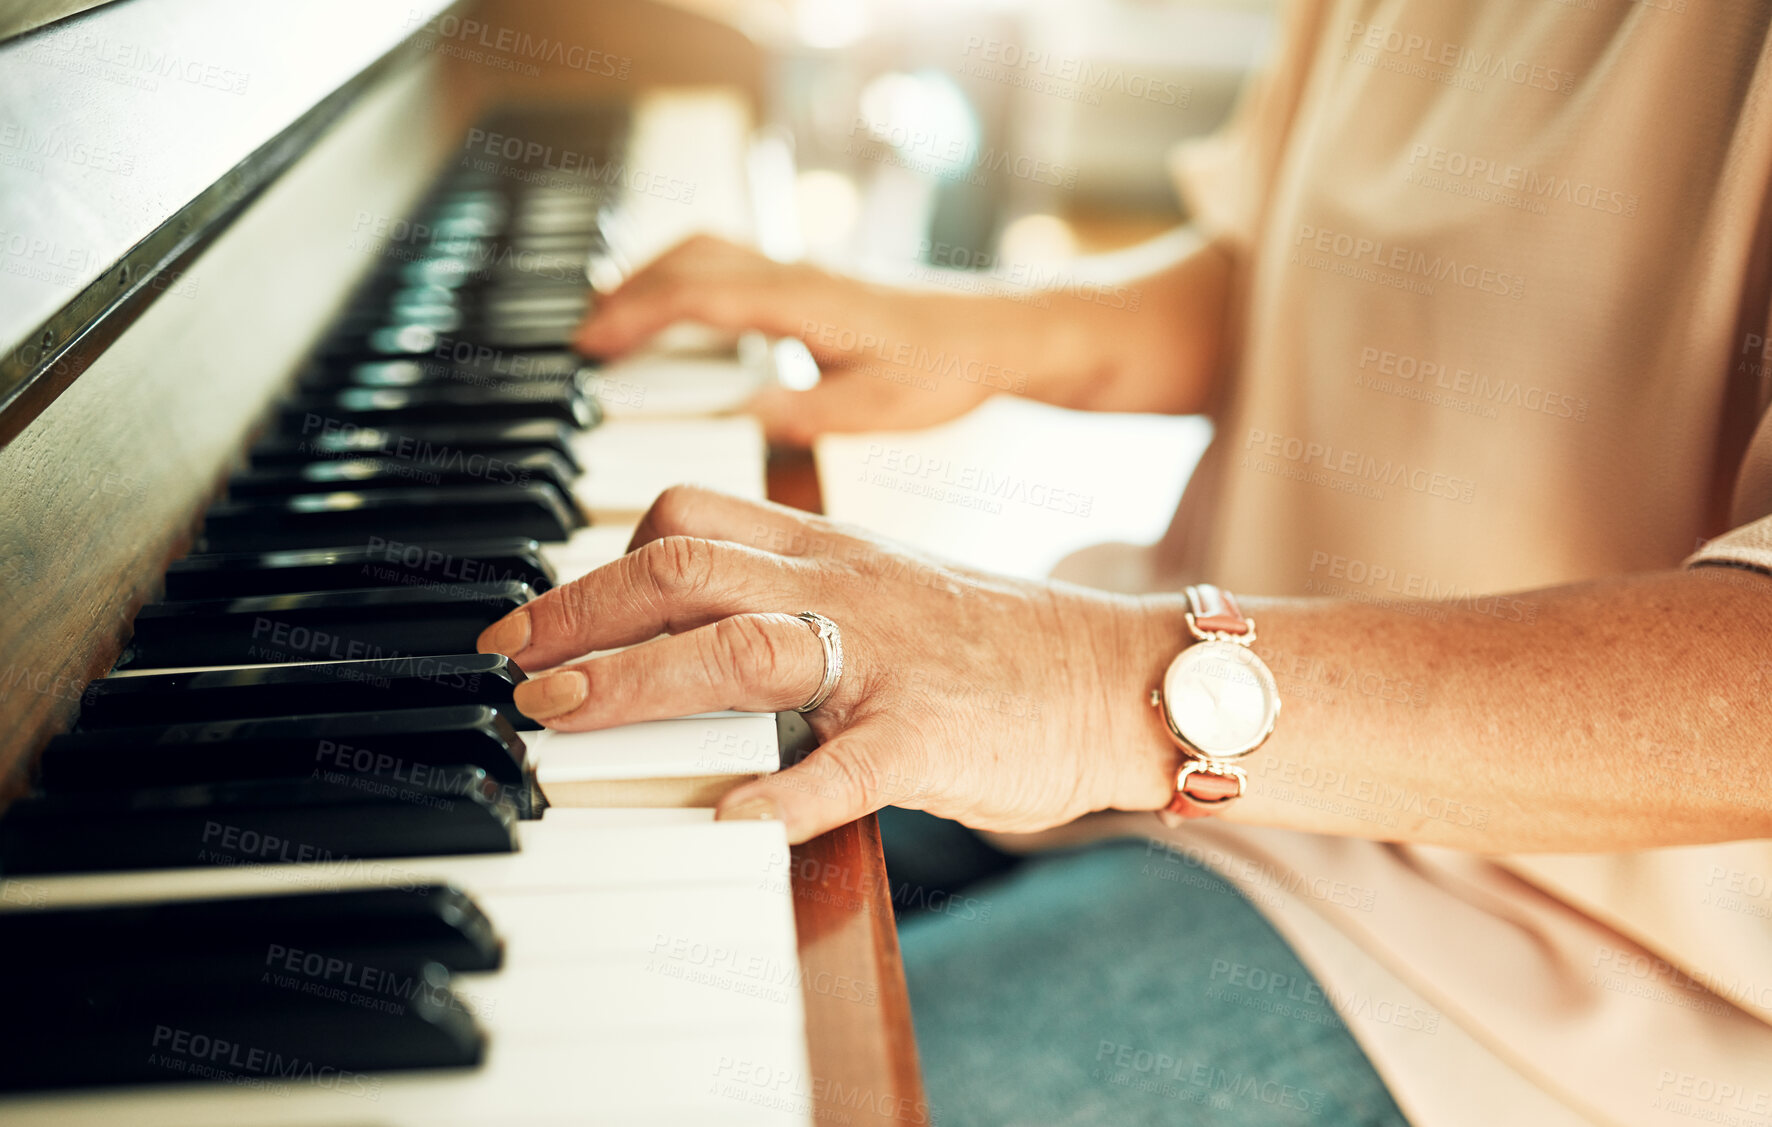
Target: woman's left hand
(1005, 704)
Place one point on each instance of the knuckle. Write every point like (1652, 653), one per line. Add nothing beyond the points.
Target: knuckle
(747, 653)
(723, 305)
(677, 299)
(673, 512)
(564, 612)
(677, 567)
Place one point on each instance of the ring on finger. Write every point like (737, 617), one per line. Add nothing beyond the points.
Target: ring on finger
(832, 639)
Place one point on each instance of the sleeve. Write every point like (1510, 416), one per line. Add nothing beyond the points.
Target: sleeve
(1749, 544)
(1225, 178)
(1743, 475)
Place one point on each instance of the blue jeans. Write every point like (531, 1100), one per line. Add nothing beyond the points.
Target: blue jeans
(1122, 985)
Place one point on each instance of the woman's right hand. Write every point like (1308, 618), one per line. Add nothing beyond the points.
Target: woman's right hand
(893, 359)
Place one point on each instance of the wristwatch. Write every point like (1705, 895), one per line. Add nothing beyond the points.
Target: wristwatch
(1219, 701)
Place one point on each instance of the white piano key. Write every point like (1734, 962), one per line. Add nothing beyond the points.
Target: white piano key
(662, 441)
(634, 492)
(660, 383)
(629, 462)
(587, 550)
(728, 745)
(555, 855)
(554, 927)
(746, 989)
(628, 815)
(697, 138)
(601, 1076)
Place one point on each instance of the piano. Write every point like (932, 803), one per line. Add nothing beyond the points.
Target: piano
(287, 417)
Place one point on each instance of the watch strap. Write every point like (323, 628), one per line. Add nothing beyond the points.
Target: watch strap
(1202, 789)
(1214, 611)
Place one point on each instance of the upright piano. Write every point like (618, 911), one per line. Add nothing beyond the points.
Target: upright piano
(287, 416)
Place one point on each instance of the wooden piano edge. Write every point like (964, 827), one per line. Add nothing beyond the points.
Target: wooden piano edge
(862, 1048)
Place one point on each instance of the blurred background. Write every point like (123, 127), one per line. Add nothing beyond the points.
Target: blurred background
(973, 145)
(995, 135)
(1003, 145)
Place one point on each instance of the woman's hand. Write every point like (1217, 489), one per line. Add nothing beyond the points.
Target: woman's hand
(1006, 704)
(898, 360)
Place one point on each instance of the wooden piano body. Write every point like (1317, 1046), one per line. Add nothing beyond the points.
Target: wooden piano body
(188, 192)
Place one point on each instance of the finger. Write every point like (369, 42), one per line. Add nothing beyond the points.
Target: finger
(623, 318)
(736, 291)
(841, 781)
(748, 663)
(847, 402)
(690, 510)
(622, 322)
(669, 585)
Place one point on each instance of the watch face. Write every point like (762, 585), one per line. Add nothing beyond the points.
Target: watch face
(1220, 698)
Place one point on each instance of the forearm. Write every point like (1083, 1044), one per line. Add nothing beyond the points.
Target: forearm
(1618, 714)
(1148, 343)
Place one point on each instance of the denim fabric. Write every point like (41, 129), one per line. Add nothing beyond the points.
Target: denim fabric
(1121, 985)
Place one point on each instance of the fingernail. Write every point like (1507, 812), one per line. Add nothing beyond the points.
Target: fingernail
(552, 695)
(756, 808)
(507, 636)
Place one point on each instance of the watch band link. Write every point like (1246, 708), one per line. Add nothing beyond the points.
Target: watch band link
(1212, 611)
(1201, 790)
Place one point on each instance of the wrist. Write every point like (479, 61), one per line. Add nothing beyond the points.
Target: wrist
(1069, 359)
(1043, 352)
(1145, 756)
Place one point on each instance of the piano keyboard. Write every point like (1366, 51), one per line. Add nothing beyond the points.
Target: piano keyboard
(301, 761)
(649, 976)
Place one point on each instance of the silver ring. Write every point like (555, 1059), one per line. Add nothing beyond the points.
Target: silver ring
(832, 640)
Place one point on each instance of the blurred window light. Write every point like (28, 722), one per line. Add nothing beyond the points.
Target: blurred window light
(830, 24)
(828, 203)
(1037, 240)
(925, 116)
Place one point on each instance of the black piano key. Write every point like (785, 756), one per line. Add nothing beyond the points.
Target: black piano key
(493, 369)
(360, 474)
(416, 331)
(568, 298)
(432, 270)
(294, 690)
(410, 340)
(262, 1029)
(424, 923)
(471, 448)
(526, 301)
(325, 520)
(398, 406)
(398, 747)
(540, 332)
(364, 324)
(573, 227)
(319, 626)
(254, 822)
(405, 751)
(377, 562)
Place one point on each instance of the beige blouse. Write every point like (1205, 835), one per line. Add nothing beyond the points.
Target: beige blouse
(1503, 321)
